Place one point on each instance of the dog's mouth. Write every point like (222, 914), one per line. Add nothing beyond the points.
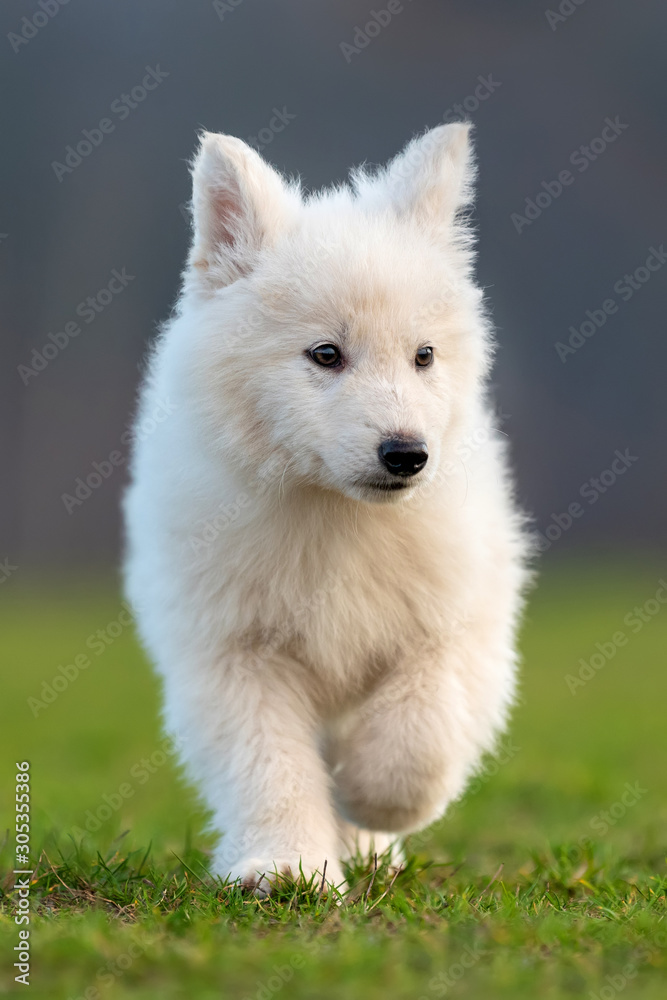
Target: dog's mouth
(384, 486)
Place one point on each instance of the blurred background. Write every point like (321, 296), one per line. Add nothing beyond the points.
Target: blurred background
(102, 104)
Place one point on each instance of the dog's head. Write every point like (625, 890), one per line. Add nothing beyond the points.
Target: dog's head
(335, 340)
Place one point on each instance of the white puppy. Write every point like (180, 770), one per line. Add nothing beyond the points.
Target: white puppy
(323, 548)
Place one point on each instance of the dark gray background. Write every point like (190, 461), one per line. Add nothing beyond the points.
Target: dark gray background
(120, 208)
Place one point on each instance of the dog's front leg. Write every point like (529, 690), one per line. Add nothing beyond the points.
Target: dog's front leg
(249, 737)
(406, 752)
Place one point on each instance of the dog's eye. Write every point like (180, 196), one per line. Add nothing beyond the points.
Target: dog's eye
(326, 355)
(424, 357)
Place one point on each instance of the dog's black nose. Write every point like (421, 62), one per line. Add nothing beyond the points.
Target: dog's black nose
(403, 456)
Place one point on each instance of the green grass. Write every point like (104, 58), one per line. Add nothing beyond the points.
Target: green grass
(542, 882)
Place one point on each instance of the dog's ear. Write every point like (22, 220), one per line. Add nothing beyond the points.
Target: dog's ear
(430, 181)
(239, 204)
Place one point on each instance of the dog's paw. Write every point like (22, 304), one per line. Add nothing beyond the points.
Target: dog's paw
(260, 875)
(363, 845)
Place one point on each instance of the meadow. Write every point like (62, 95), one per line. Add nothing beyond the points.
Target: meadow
(547, 880)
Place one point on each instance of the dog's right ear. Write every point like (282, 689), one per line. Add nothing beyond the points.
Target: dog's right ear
(239, 204)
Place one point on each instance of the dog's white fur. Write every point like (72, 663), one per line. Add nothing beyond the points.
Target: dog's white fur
(335, 658)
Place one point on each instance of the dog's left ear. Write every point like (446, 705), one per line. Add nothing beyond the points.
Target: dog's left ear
(239, 205)
(430, 181)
